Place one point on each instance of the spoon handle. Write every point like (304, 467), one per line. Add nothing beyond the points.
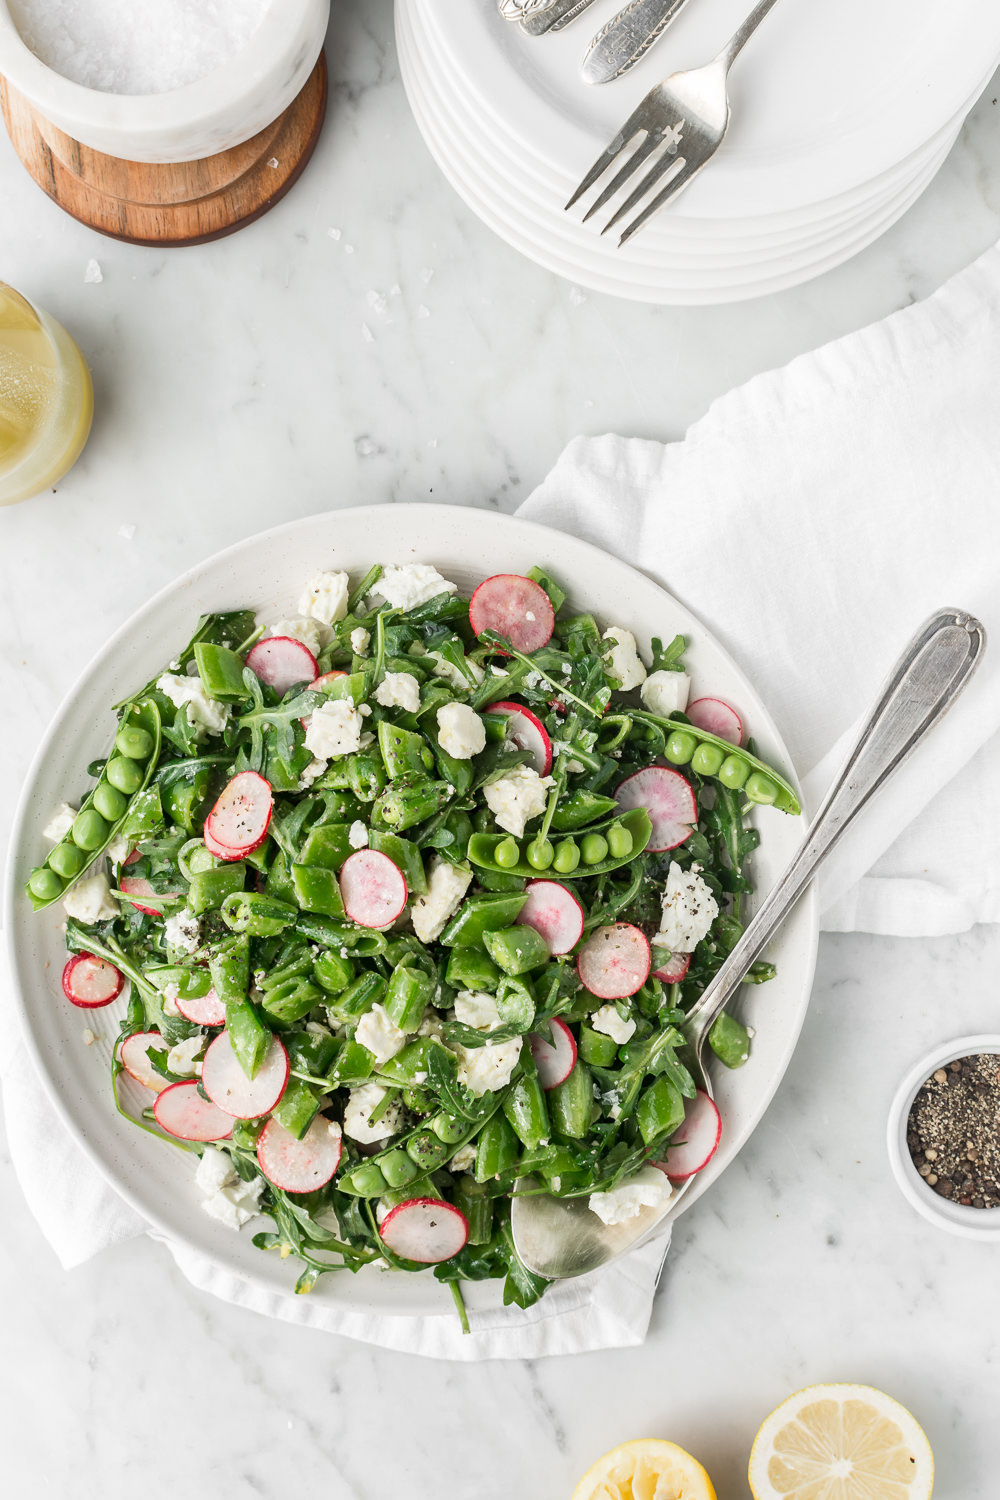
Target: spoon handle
(926, 680)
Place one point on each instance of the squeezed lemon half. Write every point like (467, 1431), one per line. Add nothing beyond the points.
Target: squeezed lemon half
(646, 1469)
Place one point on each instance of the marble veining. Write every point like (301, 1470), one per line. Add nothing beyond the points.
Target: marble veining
(370, 341)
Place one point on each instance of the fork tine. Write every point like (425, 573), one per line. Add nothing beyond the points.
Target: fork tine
(652, 177)
(631, 128)
(633, 164)
(671, 190)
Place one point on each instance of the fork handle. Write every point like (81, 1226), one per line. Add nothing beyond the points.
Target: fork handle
(739, 39)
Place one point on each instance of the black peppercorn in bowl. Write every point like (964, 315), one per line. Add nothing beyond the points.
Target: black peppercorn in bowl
(944, 1137)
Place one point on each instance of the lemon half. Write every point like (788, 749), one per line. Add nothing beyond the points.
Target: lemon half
(647, 1469)
(841, 1442)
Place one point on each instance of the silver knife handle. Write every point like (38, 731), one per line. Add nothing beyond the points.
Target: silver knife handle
(559, 15)
(627, 37)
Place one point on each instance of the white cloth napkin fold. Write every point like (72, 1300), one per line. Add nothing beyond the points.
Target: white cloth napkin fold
(812, 519)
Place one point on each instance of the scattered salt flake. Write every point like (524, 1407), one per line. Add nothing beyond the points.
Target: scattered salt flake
(364, 447)
(88, 1037)
(348, 249)
(577, 296)
(426, 275)
(432, 442)
(93, 273)
(376, 301)
(334, 234)
(395, 290)
(423, 312)
(367, 334)
(128, 532)
(274, 162)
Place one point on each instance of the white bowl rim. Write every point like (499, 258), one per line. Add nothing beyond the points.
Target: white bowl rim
(956, 1218)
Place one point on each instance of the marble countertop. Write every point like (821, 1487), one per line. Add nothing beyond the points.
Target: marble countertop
(370, 341)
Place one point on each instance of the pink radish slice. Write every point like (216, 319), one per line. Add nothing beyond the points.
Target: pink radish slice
(281, 662)
(514, 607)
(554, 1060)
(527, 733)
(373, 889)
(694, 1143)
(674, 970)
(206, 1010)
(717, 718)
(425, 1229)
(226, 1084)
(181, 1111)
(300, 1166)
(137, 885)
(238, 823)
(668, 798)
(90, 982)
(135, 1062)
(554, 912)
(614, 961)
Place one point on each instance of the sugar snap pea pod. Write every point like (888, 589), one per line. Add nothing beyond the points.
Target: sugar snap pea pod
(365, 775)
(311, 1051)
(471, 969)
(297, 1107)
(291, 999)
(210, 888)
(730, 1041)
(483, 847)
(354, 1065)
(246, 1133)
(471, 1199)
(125, 775)
(659, 1112)
(403, 750)
(366, 1180)
(404, 854)
(328, 844)
(407, 996)
(449, 1128)
(248, 1036)
(517, 950)
(278, 884)
(596, 1048)
(497, 1148)
(760, 784)
(548, 1160)
(526, 1112)
(581, 808)
(258, 914)
(195, 858)
(317, 890)
(571, 1103)
(234, 628)
(221, 672)
(361, 994)
(398, 1168)
(334, 971)
(400, 807)
(427, 1150)
(229, 966)
(409, 1063)
(479, 915)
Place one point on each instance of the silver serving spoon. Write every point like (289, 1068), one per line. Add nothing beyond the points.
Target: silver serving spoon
(560, 1237)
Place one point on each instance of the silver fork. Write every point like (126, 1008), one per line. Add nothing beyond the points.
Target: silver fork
(688, 115)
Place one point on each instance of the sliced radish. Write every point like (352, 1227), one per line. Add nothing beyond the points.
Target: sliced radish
(281, 662)
(527, 733)
(373, 889)
(675, 969)
(554, 912)
(300, 1166)
(135, 1062)
(614, 961)
(668, 798)
(206, 1010)
(694, 1143)
(514, 607)
(717, 718)
(554, 1060)
(226, 1084)
(425, 1229)
(90, 982)
(137, 885)
(181, 1111)
(238, 823)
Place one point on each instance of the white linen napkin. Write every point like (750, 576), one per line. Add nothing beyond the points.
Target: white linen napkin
(812, 519)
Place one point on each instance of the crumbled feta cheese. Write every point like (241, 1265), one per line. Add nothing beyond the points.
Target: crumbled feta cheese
(446, 885)
(90, 900)
(312, 772)
(361, 1104)
(60, 823)
(399, 690)
(335, 729)
(535, 680)
(517, 797)
(118, 850)
(689, 909)
(666, 693)
(309, 632)
(499, 671)
(182, 932)
(623, 658)
(376, 1033)
(88, 1037)
(204, 715)
(475, 1009)
(215, 1170)
(169, 1000)
(464, 1159)
(236, 1202)
(649, 1188)
(486, 1069)
(360, 640)
(431, 1025)
(325, 598)
(357, 835)
(461, 732)
(452, 675)
(610, 1022)
(412, 584)
(183, 1058)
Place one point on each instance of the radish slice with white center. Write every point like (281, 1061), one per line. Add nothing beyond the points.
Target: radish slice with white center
(281, 662)
(528, 733)
(693, 1144)
(206, 1010)
(137, 885)
(675, 969)
(90, 982)
(425, 1229)
(373, 889)
(668, 798)
(614, 961)
(515, 607)
(238, 823)
(716, 717)
(300, 1166)
(554, 1060)
(182, 1112)
(555, 914)
(226, 1084)
(135, 1062)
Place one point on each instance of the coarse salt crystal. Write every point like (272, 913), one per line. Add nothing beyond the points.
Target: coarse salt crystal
(93, 273)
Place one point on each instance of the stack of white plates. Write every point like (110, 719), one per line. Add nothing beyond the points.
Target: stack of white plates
(841, 115)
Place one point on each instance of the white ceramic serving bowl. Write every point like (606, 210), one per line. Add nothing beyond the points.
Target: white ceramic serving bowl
(970, 1223)
(266, 573)
(213, 114)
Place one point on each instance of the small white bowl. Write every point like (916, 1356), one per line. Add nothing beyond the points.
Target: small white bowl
(221, 110)
(972, 1223)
